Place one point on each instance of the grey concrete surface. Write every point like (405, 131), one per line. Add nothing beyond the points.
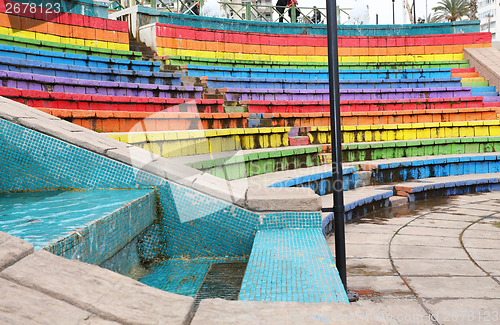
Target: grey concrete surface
(21, 305)
(12, 249)
(428, 272)
(283, 199)
(221, 312)
(99, 291)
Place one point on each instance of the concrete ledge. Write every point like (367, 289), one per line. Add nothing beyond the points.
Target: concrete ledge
(12, 249)
(21, 305)
(283, 199)
(486, 61)
(220, 312)
(104, 293)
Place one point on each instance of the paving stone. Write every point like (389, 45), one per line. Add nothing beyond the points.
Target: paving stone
(450, 217)
(480, 233)
(283, 199)
(437, 267)
(484, 254)
(415, 240)
(492, 267)
(21, 305)
(403, 310)
(427, 252)
(371, 228)
(464, 311)
(481, 243)
(486, 226)
(481, 207)
(102, 292)
(369, 266)
(359, 238)
(468, 211)
(12, 249)
(367, 250)
(432, 223)
(377, 285)
(220, 312)
(454, 287)
(437, 232)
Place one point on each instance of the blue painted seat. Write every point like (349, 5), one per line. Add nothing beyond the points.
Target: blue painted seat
(276, 83)
(88, 73)
(215, 71)
(77, 59)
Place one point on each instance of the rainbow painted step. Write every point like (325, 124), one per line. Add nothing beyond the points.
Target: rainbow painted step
(175, 61)
(120, 121)
(417, 131)
(68, 48)
(67, 28)
(76, 59)
(239, 94)
(123, 121)
(45, 99)
(118, 74)
(277, 83)
(188, 143)
(266, 106)
(359, 152)
(211, 71)
(92, 87)
(181, 40)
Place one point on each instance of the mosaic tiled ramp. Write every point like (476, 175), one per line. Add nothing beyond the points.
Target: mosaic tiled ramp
(292, 265)
(90, 226)
(183, 276)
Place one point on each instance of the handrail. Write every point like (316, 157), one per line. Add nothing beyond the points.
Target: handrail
(243, 11)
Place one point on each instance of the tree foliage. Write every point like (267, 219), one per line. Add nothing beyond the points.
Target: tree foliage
(452, 10)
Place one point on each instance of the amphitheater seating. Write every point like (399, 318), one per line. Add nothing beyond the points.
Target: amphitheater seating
(67, 28)
(243, 94)
(210, 71)
(181, 40)
(262, 83)
(89, 73)
(76, 59)
(93, 87)
(68, 48)
(179, 61)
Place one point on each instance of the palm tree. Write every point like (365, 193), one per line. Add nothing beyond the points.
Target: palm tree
(432, 19)
(473, 10)
(452, 10)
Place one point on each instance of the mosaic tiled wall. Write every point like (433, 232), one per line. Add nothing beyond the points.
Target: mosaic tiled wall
(103, 238)
(32, 161)
(289, 220)
(192, 224)
(198, 225)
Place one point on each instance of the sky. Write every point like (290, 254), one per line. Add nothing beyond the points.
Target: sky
(381, 7)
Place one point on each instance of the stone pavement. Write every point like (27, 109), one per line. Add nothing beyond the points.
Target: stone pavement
(440, 260)
(42, 288)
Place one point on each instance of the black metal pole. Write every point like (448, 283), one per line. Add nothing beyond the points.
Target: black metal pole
(336, 137)
(414, 13)
(393, 13)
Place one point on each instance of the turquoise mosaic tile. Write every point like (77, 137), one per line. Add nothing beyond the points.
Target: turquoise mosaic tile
(32, 161)
(89, 226)
(219, 228)
(290, 220)
(182, 276)
(292, 265)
